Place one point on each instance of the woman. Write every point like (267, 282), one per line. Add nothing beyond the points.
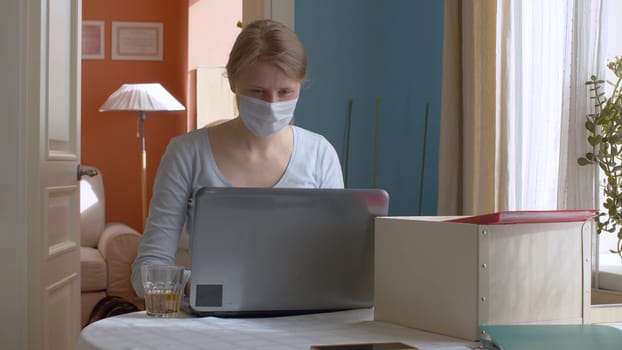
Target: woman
(259, 148)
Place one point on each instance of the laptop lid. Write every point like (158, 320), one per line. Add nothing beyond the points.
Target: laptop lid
(283, 251)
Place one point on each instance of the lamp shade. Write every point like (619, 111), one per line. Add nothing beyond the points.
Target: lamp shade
(141, 97)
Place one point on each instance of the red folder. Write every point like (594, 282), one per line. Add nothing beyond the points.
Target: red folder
(527, 217)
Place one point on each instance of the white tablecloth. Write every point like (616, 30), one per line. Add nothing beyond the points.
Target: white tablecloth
(138, 331)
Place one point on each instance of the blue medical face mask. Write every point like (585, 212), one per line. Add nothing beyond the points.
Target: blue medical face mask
(265, 118)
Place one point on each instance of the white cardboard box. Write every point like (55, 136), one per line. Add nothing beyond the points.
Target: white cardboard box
(450, 278)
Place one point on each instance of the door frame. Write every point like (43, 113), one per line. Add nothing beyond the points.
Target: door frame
(278, 10)
(14, 177)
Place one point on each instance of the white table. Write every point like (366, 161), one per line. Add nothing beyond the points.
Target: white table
(138, 331)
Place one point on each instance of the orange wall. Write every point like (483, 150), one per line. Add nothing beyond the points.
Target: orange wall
(109, 140)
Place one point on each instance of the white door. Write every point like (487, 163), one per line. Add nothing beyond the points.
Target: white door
(59, 154)
(52, 153)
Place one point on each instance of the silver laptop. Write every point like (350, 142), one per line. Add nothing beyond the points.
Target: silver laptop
(267, 251)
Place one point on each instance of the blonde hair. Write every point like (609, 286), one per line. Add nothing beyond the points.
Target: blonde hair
(271, 42)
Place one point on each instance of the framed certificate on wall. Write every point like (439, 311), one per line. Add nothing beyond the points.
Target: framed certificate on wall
(140, 41)
(93, 40)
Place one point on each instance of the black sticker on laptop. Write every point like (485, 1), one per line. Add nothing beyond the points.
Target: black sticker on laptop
(209, 295)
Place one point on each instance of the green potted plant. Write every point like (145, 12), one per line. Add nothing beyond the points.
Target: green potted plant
(605, 137)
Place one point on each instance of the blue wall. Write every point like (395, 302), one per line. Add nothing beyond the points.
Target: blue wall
(376, 50)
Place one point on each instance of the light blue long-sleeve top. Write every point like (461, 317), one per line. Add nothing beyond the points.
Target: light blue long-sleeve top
(188, 164)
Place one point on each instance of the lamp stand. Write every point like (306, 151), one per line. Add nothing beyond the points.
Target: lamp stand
(143, 173)
(142, 98)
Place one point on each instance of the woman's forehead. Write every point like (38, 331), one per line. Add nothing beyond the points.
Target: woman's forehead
(265, 73)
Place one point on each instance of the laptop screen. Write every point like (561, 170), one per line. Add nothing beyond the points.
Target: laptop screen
(257, 250)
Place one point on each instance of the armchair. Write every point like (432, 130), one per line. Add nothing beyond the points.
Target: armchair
(107, 250)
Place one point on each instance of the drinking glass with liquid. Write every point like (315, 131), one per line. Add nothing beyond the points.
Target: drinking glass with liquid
(163, 287)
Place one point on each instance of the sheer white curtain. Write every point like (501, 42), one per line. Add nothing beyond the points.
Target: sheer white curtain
(548, 49)
(545, 51)
(584, 57)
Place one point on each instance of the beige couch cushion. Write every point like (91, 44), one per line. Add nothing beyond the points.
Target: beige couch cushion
(119, 245)
(92, 210)
(92, 270)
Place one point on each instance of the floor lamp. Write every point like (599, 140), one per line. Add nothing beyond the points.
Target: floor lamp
(142, 98)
